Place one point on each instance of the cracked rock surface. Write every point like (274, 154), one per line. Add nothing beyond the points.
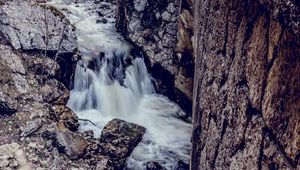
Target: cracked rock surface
(36, 27)
(247, 85)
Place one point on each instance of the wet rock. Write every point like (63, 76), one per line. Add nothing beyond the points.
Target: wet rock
(104, 21)
(119, 138)
(66, 116)
(153, 26)
(72, 144)
(36, 27)
(32, 127)
(153, 166)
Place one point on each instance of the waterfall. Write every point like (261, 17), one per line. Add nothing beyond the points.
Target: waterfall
(114, 85)
(112, 81)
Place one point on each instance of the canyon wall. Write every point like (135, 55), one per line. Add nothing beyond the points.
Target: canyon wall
(163, 30)
(246, 102)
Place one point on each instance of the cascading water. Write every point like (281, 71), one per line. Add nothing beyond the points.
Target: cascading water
(112, 81)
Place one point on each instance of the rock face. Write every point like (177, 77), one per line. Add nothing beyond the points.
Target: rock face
(165, 38)
(43, 29)
(246, 100)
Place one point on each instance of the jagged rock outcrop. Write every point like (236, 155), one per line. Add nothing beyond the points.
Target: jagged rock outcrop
(40, 29)
(45, 30)
(246, 109)
(163, 31)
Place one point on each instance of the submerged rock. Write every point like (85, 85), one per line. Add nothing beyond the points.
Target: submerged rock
(119, 138)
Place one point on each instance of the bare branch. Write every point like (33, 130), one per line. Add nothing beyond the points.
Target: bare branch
(87, 120)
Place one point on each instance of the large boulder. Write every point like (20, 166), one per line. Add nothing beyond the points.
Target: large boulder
(119, 138)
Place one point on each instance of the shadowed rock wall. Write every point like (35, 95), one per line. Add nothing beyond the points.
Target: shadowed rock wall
(163, 31)
(246, 101)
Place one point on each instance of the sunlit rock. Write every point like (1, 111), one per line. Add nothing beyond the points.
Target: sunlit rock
(36, 27)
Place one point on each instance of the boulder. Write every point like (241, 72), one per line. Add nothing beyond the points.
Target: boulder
(119, 138)
(69, 143)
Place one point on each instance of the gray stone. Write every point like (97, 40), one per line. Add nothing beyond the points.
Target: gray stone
(171, 8)
(166, 16)
(54, 91)
(139, 5)
(72, 144)
(32, 127)
(36, 27)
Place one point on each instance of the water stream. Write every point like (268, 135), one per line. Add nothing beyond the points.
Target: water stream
(112, 81)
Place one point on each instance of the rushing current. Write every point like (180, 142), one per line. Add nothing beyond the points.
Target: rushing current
(112, 81)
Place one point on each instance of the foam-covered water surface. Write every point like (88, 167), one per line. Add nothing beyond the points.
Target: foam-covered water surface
(112, 81)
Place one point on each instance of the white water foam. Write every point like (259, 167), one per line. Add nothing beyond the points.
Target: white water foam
(110, 83)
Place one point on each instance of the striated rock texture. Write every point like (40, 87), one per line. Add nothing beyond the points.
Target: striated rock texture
(247, 85)
(40, 29)
(163, 30)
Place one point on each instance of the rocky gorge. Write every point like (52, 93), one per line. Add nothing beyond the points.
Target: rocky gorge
(38, 130)
(230, 70)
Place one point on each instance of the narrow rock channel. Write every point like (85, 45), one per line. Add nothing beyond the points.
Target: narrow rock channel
(112, 81)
